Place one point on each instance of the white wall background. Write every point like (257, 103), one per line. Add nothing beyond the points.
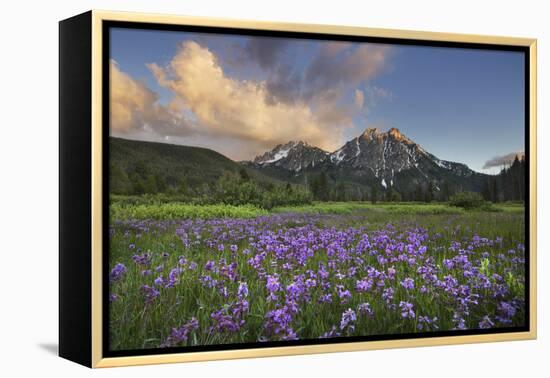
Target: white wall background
(28, 158)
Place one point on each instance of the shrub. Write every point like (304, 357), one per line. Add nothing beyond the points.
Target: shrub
(469, 200)
(232, 189)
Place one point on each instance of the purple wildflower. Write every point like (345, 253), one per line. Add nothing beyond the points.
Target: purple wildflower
(408, 283)
(325, 298)
(347, 323)
(278, 324)
(146, 272)
(332, 333)
(272, 287)
(406, 309)
(144, 259)
(209, 266)
(427, 324)
(159, 281)
(506, 312)
(363, 285)
(459, 321)
(150, 293)
(242, 292)
(486, 322)
(387, 295)
(343, 294)
(117, 272)
(181, 334)
(364, 309)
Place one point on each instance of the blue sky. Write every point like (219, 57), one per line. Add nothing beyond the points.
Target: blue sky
(243, 95)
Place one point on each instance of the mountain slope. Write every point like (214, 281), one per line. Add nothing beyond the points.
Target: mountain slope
(373, 159)
(146, 167)
(293, 156)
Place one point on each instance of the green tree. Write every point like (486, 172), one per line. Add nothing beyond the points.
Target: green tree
(320, 187)
(138, 185)
(374, 194)
(151, 185)
(244, 174)
(495, 195)
(445, 191)
(161, 183)
(387, 195)
(288, 188)
(119, 183)
(419, 193)
(340, 192)
(392, 195)
(429, 195)
(182, 186)
(486, 191)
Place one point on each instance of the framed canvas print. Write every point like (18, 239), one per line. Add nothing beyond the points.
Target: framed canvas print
(235, 189)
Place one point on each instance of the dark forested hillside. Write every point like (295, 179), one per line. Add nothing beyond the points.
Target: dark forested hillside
(508, 185)
(192, 174)
(138, 167)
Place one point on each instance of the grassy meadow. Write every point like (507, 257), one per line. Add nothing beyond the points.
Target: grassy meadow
(184, 275)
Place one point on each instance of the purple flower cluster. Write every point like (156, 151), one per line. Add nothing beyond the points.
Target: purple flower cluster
(283, 273)
(408, 283)
(181, 334)
(278, 326)
(229, 318)
(347, 323)
(272, 286)
(406, 309)
(117, 272)
(364, 309)
(149, 293)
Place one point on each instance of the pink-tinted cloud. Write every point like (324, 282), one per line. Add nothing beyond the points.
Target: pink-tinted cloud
(210, 108)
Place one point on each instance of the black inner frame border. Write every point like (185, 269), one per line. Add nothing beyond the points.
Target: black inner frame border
(106, 27)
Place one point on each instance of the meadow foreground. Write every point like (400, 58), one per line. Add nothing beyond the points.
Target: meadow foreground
(184, 282)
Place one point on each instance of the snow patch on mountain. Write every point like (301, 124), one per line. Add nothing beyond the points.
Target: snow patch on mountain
(278, 156)
(338, 156)
(388, 158)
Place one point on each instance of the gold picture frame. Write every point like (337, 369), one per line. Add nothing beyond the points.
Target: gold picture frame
(94, 357)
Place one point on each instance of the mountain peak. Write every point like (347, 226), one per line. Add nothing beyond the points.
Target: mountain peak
(384, 158)
(372, 132)
(293, 155)
(394, 132)
(294, 143)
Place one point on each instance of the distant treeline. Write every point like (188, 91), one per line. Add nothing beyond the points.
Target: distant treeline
(238, 188)
(509, 185)
(323, 189)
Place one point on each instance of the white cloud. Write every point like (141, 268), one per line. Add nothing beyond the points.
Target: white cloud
(240, 109)
(241, 118)
(134, 108)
